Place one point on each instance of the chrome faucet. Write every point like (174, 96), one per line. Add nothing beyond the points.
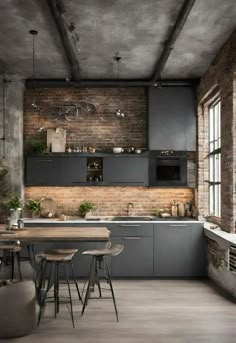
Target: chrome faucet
(128, 207)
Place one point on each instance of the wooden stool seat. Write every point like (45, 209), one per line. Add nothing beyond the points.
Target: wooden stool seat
(114, 250)
(62, 251)
(58, 257)
(10, 247)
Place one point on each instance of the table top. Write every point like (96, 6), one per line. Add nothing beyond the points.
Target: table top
(45, 234)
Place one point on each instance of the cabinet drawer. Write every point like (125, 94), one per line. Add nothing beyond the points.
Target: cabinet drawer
(131, 229)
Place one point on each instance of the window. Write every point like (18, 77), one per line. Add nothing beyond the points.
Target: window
(215, 158)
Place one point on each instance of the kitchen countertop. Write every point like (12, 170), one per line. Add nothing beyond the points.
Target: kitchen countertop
(109, 220)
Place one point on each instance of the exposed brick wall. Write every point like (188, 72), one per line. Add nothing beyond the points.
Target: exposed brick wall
(102, 129)
(111, 200)
(219, 80)
(217, 256)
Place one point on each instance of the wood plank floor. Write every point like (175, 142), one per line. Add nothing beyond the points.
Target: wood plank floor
(158, 311)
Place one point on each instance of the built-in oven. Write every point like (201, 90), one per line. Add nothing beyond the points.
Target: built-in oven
(168, 168)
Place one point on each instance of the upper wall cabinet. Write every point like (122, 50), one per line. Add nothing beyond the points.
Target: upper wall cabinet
(172, 118)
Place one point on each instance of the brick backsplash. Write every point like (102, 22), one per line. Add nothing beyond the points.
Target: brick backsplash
(111, 200)
(102, 129)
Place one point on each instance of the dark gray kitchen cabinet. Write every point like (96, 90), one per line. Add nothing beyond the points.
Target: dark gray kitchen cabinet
(198, 248)
(136, 260)
(172, 250)
(120, 170)
(172, 118)
(55, 171)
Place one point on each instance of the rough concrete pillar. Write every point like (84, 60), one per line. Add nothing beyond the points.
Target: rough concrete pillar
(13, 124)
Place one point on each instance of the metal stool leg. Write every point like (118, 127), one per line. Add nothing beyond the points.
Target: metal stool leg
(76, 284)
(56, 289)
(12, 265)
(68, 285)
(90, 280)
(18, 263)
(42, 305)
(112, 292)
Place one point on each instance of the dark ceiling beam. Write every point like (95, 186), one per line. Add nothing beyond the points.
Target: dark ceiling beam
(57, 11)
(169, 44)
(104, 83)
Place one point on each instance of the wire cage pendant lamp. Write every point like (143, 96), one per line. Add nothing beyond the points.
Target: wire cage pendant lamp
(118, 113)
(33, 33)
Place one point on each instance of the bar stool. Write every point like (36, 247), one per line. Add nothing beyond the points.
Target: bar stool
(54, 258)
(99, 262)
(12, 251)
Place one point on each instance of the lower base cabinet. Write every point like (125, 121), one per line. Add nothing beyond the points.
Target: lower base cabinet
(136, 260)
(150, 249)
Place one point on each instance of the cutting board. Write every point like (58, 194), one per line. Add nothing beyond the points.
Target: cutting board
(56, 140)
(48, 207)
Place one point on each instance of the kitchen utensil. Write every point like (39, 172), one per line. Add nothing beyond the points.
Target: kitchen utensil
(137, 151)
(174, 210)
(117, 150)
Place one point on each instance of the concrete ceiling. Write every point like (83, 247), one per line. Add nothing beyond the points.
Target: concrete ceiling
(137, 29)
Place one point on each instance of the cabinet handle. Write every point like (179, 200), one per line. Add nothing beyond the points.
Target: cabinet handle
(45, 160)
(177, 225)
(131, 238)
(129, 225)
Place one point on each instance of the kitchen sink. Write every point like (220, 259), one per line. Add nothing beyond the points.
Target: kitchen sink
(132, 218)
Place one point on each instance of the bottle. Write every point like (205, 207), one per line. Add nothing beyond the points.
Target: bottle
(20, 223)
(181, 209)
(174, 209)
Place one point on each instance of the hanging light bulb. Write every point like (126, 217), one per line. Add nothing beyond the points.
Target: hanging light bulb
(33, 33)
(118, 113)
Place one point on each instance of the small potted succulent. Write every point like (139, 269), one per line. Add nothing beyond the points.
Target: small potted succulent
(86, 208)
(15, 206)
(33, 206)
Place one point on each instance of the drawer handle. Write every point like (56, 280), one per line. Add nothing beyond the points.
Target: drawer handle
(131, 238)
(177, 225)
(129, 225)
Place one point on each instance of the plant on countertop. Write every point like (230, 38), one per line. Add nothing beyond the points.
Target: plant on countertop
(86, 207)
(36, 146)
(14, 202)
(33, 206)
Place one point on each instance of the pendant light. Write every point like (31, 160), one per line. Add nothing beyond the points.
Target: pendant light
(118, 113)
(34, 34)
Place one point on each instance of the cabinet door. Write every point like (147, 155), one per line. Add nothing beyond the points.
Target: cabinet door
(172, 118)
(125, 170)
(198, 251)
(136, 259)
(55, 171)
(172, 250)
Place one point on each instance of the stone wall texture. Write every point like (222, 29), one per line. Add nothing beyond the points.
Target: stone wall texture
(219, 81)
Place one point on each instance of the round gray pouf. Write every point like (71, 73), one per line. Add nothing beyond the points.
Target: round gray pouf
(18, 309)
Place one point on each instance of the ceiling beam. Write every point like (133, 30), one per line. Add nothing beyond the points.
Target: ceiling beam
(169, 44)
(40, 83)
(57, 11)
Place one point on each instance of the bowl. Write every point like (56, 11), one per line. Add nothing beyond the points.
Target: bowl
(117, 150)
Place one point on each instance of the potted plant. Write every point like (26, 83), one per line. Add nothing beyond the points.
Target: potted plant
(33, 206)
(14, 205)
(86, 207)
(36, 146)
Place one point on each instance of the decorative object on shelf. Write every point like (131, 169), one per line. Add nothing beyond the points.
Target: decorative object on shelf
(56, 140)
(14, 206)
(117, 150)
(118, 113)
(86, 208)
(33, 33)
(48, 208)
(33, 206)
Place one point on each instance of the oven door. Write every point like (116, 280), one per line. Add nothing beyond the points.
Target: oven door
(168, 171)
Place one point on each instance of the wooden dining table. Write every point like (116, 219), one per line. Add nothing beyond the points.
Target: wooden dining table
(55, 234)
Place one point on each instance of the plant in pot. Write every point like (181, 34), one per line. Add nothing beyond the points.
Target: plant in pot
(33, 206)
(86, 208)
(15, 206)
(36, 146)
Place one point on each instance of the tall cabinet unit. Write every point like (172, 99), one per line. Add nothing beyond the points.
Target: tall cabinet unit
(172, 118)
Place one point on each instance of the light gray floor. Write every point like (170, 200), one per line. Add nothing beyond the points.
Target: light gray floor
(170, 311)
